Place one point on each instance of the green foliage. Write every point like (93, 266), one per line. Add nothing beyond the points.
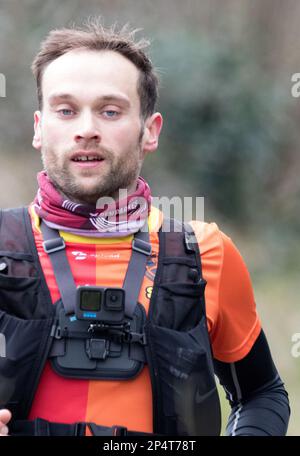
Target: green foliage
(226, 126)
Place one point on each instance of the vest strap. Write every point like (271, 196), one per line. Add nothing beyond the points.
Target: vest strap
(136, 353)
(141, 250)
(54, 246)
(43, 428)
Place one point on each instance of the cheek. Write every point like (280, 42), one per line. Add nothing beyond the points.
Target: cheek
(124, 135)
(54, 135)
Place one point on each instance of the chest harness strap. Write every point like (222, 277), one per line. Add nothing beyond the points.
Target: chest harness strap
(104, 344)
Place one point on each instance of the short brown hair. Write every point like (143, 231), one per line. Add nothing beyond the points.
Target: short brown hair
(94, 36)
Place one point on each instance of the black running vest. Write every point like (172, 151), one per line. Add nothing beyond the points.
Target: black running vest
(177, 346)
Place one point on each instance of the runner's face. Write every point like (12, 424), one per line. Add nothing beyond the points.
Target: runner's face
(90, 131)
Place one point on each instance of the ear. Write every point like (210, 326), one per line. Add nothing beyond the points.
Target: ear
(37, 137)
(153, 126)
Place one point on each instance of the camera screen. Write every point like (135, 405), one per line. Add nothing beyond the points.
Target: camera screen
(90, 300)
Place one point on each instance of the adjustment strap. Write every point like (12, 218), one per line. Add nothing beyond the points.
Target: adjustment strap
(136, 352)
(192, 246)
(54, 246)
(43, 428)
(58, 348)
(141, 250)
(101, 431)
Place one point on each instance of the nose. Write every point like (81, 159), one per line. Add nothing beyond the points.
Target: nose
(87, 129)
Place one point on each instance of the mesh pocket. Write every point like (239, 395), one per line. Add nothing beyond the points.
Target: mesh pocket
(19, 368)
(188, 391)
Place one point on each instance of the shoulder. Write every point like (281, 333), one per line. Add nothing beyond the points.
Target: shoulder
(210, 238)
(230, 304)
(213, 242)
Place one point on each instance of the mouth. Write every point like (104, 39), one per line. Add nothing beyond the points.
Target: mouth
(87, 158)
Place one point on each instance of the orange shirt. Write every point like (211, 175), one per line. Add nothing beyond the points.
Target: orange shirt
(231, 313)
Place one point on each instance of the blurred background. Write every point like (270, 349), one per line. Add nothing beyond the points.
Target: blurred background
(231, 131)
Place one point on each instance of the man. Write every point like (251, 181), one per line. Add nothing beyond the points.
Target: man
(119, 374)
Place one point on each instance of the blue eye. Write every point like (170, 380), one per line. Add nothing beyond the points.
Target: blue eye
(66, 112)
(111, 113)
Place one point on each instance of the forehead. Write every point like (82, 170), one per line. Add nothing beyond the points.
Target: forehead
(91, 74)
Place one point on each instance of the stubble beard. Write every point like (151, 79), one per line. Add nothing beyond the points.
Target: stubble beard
(120, 173)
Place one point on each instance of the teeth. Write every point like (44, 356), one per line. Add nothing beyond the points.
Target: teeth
(85, 158)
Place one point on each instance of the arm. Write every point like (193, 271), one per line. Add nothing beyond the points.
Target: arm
(257, 396)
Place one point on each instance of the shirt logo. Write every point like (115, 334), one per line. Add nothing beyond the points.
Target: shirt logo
(151, 267)
(148, 292)
(79, 255)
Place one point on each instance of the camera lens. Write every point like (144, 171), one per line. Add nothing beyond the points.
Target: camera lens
(114, 299)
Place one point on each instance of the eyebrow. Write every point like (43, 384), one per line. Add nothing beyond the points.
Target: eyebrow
(56, 97)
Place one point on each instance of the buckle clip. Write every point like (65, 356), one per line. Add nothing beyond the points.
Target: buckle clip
(54, 245)
(189, 241)
(56, 332)
(119, 430)
(141, 246)
(97, 348)
(97, 430)
(132, 337)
